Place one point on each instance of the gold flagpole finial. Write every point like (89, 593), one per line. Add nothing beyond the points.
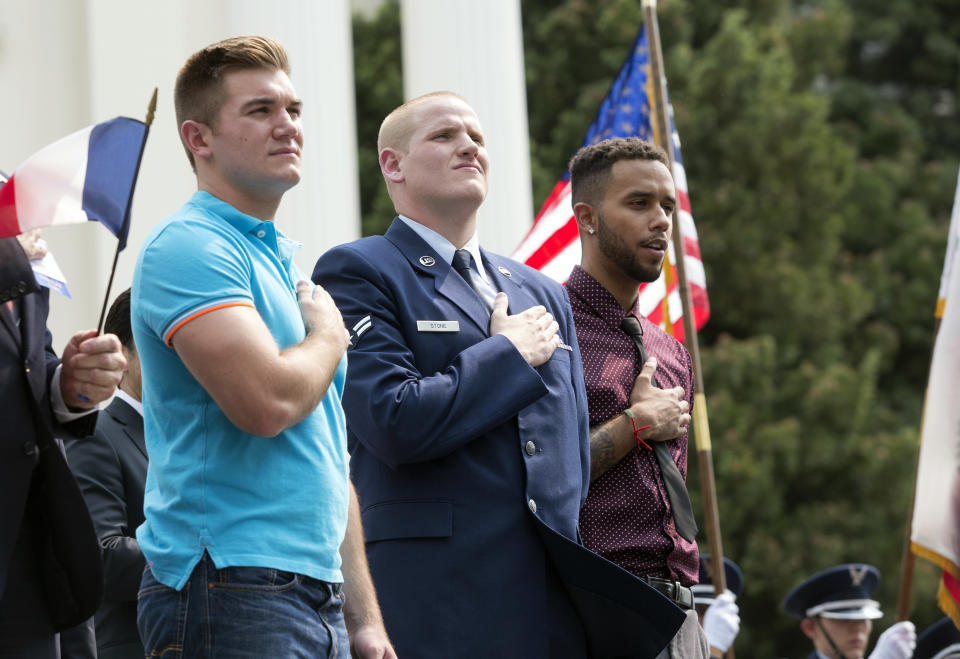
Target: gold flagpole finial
(152, 108)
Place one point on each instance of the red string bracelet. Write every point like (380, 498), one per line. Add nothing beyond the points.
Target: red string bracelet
(636, 431)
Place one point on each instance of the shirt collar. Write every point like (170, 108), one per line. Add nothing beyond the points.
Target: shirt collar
(598, 298)
(130, 400)
(263, 230)
(444, 247)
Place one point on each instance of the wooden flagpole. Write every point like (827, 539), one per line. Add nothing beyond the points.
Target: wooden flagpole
(701, 427)
(151, 110)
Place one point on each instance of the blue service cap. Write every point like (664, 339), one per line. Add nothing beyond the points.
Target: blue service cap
(941, 640)
(843, 592)
(703, 591)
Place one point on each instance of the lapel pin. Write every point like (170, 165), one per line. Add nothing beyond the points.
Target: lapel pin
(504, 271)
(427, 261)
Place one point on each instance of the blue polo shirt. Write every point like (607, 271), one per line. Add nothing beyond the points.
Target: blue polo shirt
(278, 502)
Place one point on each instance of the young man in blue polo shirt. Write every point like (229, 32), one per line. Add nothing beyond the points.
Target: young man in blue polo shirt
(247, 493)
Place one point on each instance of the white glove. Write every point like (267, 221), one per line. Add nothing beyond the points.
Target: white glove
(721, 621)
(897, 642)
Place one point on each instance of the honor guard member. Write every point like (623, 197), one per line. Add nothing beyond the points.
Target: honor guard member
(837, 611)
(719, 615)
(941, 640)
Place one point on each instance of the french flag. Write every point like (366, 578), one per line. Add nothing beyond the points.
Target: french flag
(86, 176)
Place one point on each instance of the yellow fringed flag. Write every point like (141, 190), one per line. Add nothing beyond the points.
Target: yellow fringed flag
(935, 534)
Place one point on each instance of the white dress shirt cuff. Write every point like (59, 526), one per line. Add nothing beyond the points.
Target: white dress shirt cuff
(60, 409)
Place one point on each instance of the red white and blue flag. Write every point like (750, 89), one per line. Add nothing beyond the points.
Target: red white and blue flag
(86, 176)
(553, 243)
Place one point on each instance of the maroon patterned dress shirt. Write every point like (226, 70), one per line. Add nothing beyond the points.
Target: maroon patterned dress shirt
(627, 517)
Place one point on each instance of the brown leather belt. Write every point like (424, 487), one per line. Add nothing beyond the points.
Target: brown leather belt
(678, 594)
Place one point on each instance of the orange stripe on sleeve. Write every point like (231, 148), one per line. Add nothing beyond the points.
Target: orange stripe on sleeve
(186, 320)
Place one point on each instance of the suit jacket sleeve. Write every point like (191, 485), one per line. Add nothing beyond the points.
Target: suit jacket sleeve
(400, 414)
(82, 426)
(97, 467)
(580, 391)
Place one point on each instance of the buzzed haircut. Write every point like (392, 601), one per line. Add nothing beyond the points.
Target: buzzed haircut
(398, 126)
(118, 320)
(591, 166)
(199, 93)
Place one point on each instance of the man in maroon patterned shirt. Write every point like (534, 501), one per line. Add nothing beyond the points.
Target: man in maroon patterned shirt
(624, 200)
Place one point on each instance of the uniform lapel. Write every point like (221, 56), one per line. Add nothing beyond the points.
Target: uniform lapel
(447, 282)
(511, 281)
(508, 281)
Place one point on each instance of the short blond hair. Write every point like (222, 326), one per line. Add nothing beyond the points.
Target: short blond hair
(398, 126)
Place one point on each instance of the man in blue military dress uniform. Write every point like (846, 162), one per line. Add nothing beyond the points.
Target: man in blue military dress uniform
(837, 611)
(467, 423)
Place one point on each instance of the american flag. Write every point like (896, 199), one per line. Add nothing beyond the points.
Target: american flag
(553, 243)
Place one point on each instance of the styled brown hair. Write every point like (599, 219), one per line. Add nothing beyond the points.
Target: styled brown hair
(198, 93)
(590, 166)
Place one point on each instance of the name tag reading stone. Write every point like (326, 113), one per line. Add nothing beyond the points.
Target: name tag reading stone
(438, 325)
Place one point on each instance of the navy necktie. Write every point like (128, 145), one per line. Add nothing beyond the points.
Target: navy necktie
(462, 261)
(676, 488)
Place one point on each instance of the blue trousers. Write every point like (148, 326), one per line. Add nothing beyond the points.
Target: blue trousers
(242, 612)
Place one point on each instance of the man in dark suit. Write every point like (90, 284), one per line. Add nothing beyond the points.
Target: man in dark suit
(467, 423)
(50, 575)
(111, 468)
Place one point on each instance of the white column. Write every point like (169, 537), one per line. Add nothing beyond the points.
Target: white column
(133, 48)
(324, 209)
(43, 72)
(475, 49)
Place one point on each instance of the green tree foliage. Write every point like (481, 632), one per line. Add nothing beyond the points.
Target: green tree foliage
(377, 70)
(820, 139)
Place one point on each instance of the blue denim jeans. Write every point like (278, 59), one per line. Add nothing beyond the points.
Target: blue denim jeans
(241, 612)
